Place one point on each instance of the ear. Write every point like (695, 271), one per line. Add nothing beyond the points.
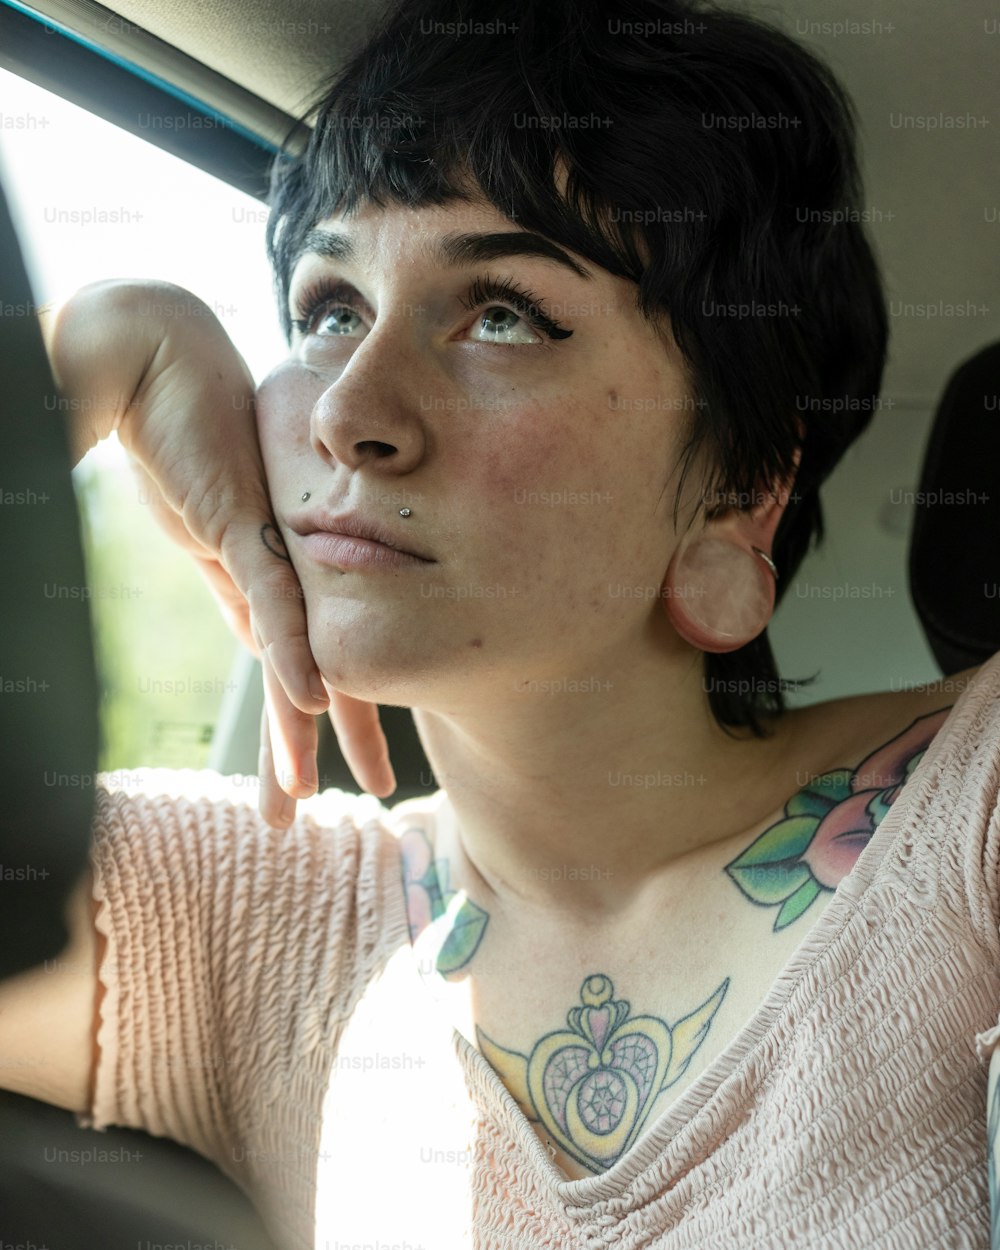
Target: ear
(757, 525)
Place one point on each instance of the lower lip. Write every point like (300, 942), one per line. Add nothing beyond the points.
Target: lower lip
(344, 552)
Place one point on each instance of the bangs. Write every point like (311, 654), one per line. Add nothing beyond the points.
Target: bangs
(697, 152)
(614, 149)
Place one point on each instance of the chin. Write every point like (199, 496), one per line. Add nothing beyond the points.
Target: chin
(377, 674)
(391, 675)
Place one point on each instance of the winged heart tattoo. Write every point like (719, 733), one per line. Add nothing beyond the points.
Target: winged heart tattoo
(592, 1084)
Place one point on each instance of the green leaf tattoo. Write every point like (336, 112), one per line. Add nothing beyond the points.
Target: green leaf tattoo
(463, 938)
(827, 824)
(429, 901)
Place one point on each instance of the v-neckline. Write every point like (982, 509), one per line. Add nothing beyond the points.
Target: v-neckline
(686, 1113)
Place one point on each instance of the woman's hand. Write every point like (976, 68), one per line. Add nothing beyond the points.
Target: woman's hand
(359, 735)
(152, 361)
(355, 721)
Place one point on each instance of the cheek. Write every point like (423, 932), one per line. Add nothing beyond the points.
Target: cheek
(576, 498)
(542, 481)
(283, 403)
(535, 446)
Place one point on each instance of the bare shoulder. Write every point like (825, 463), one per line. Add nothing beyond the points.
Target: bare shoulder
(900, 707)
(853, 727)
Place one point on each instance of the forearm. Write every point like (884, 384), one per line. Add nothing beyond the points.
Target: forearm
(100, 343)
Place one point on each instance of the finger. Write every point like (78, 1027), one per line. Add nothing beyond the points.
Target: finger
(164, 513)
(253, 554)
(214, 478)
(362, 742)
(232, 535)
(234, 608)
(293, 738)
(232, 603)
(229, 513)
(276, 807)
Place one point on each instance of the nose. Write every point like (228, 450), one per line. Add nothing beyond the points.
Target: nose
(370, 413)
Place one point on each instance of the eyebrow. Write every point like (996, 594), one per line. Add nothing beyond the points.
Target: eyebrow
(453, 250)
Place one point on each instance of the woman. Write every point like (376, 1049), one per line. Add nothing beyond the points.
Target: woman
(564, 303)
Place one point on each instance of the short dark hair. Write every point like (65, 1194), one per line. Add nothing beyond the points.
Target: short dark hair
(710, 159)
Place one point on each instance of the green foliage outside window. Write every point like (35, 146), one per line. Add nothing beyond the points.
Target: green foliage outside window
(164, 651)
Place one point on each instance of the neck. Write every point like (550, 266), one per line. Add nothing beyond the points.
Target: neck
(574, 800)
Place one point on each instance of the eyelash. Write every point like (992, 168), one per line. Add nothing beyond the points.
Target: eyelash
(326, 292)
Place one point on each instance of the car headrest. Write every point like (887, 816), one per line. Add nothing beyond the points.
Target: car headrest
(49, 692)
(955, 541)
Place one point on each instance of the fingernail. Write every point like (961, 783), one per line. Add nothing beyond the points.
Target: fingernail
(287, 813)
(317, 689)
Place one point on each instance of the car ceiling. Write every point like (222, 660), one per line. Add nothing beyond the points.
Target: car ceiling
(279, 51)
(933, 195)
(938, 186)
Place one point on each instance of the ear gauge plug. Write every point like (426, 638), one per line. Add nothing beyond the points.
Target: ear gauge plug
(717, 595)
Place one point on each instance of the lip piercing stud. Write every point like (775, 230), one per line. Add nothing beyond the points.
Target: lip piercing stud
(305, 495)
(404, 512)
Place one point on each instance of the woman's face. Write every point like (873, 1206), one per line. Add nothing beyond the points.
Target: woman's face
(535, 467)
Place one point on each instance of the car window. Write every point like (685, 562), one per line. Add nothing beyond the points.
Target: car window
(91, 201)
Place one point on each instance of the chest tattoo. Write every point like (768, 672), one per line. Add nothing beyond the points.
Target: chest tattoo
(592, 1084)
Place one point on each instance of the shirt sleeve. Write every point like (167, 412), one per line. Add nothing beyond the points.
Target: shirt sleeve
(233, 951)
(982, 761)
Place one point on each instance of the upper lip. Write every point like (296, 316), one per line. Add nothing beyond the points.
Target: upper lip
(354, 525)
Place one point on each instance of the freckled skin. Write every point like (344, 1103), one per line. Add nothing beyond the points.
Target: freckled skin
(567, 1084)
(479, 433)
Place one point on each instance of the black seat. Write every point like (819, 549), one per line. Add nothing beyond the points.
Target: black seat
(955, 543)
(61, 1186)
(68, 1188)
